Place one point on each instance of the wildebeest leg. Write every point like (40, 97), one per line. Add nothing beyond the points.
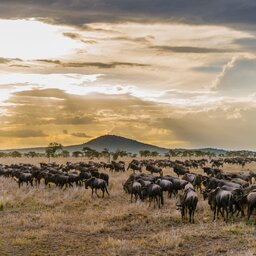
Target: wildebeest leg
(150, 199)
(92, 191)
(193, 214)
(219, 211)
(131, 197)
(226, 210)
(103, 191)
(106, 189)
(249, 211)
(214, 212)
(162, 198)
(31, 183)
(96, 192)
(183, 212)
(190, 213)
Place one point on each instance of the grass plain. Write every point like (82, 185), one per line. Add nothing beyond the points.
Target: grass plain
(49, 221)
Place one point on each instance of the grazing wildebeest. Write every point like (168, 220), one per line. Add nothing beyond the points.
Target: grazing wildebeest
(187, 203)
(95, 183)
(221, 201)
(180, 170)
(134, 167)
(177, 183)
(154, 169)
(24, 177)
(251, 203)
(133, 188)
(153, 192)
(166, 185)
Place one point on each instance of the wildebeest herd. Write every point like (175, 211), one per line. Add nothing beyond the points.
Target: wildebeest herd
(229, 194)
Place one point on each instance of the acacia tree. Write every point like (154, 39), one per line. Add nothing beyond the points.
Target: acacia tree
(52, 149)
(119, 153)
(145, 153)
(15, 154)
(154, 154)
(90, 153)
(77, 153)
(106, 153)
(65, 153)
(31, 154)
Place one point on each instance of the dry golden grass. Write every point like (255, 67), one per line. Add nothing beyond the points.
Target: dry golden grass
(50, 221)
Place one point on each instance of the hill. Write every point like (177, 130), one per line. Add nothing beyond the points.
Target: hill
(113, 143)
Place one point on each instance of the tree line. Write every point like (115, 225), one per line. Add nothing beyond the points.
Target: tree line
(55, 149)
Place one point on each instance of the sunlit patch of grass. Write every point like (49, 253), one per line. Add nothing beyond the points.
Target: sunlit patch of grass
(112, 246)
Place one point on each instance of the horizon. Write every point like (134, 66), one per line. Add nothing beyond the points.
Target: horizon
(171, 74)
(70, 145)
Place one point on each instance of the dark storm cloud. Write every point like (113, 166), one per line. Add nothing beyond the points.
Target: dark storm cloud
(75, 12)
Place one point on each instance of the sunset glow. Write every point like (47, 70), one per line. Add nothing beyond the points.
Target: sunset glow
(177, 82)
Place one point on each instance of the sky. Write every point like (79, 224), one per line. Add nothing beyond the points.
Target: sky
(174, 73)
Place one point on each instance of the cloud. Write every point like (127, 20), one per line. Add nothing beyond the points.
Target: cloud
(93, 64)
(189, 49)
(238, 77)
(247, 44)
(22, 133)
(74, 120)
(54, 111)
(230, 12)
(4, 60)
(230, 126)
(65, 131)
(76, 36)
(80, 135)
(8, 60)
(212, 67)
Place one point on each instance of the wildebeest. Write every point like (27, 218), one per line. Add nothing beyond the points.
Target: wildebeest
(187, 203)
(133, 188)
(180, 170)
(95, 183)
(153, 192)
(25, 177)
(221, 201)
(135, 167)
(166, 185)
(154, 169)
(251, 203)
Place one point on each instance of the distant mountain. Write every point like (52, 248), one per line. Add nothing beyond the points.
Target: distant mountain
(113, 143)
